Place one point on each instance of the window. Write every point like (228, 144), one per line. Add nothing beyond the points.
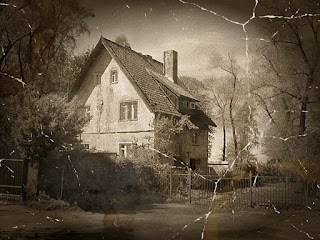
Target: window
(87, 113)
(192, 105)
(186, 104)
(127, 149)
(114, 76)
(96, 79)
(129, 111)
(195, 138)
(86, 146)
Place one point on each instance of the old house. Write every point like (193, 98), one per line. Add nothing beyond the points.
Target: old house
(123, 91)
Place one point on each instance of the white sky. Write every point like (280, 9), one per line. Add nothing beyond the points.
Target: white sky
(153, 27)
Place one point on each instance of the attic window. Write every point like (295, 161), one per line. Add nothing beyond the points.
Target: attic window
(96, 79)
(114, 76)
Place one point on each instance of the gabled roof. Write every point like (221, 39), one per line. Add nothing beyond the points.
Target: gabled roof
(134, 66)
(144, 73)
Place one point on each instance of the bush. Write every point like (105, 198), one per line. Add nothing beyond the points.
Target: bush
(96, 181)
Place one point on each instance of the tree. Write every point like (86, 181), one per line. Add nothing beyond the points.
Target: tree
(296, 53)
(288, 75)
(62, 72)
(36, 124)
(226, 94)
(32, 33)
(122, 40)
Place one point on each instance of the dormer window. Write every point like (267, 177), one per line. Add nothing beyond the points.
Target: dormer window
(114, 76)
(189, 105)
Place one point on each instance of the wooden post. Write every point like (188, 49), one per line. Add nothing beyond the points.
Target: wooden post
(189, 184)
(250, 180)
(170, 183)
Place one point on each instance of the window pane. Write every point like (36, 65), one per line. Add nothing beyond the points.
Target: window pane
(135, 110)
(87, 113)
(122, 111)
(195, 138)
(129, 109)
(114, 76)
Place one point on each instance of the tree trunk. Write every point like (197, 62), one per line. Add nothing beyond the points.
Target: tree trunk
(303, 113)
(304, 104)
(233, 130)
(224, 139)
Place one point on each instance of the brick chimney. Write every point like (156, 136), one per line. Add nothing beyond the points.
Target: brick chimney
(170, 65)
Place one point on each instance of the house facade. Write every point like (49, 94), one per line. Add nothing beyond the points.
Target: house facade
(123, 92)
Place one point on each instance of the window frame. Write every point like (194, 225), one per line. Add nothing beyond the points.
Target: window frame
(112, 73)
(133, 111)
(124, 148)
(192, 105)
(86, 146)
(87, 113)
(195, 138)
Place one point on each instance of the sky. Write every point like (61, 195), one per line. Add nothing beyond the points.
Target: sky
(154, 26)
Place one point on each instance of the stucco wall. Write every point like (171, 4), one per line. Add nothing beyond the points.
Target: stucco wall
(105, 130)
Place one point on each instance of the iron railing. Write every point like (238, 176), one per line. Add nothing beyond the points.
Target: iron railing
(251, 191)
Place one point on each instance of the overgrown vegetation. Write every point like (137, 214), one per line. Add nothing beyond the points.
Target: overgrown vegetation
(100, 182)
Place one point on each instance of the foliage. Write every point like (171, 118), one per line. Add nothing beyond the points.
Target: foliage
(35, 124)
(122, 40)
(32, 33)
(59, 76)
(166, 130)
(97, 181)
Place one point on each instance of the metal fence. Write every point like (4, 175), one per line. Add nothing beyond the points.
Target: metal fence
(11, 179)
(249, 191)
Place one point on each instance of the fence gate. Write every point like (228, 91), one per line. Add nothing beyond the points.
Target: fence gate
(11, 179)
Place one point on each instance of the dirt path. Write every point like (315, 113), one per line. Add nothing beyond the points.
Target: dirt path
(162, 221)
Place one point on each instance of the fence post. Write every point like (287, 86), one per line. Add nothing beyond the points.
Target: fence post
(189, 184)
(250, 180)
(170, 186)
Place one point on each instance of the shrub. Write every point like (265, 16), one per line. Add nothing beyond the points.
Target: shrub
(96, 181)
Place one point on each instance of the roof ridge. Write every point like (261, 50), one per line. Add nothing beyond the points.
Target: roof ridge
(129, 48)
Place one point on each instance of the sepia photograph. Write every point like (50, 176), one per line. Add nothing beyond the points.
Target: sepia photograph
(160, 119)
